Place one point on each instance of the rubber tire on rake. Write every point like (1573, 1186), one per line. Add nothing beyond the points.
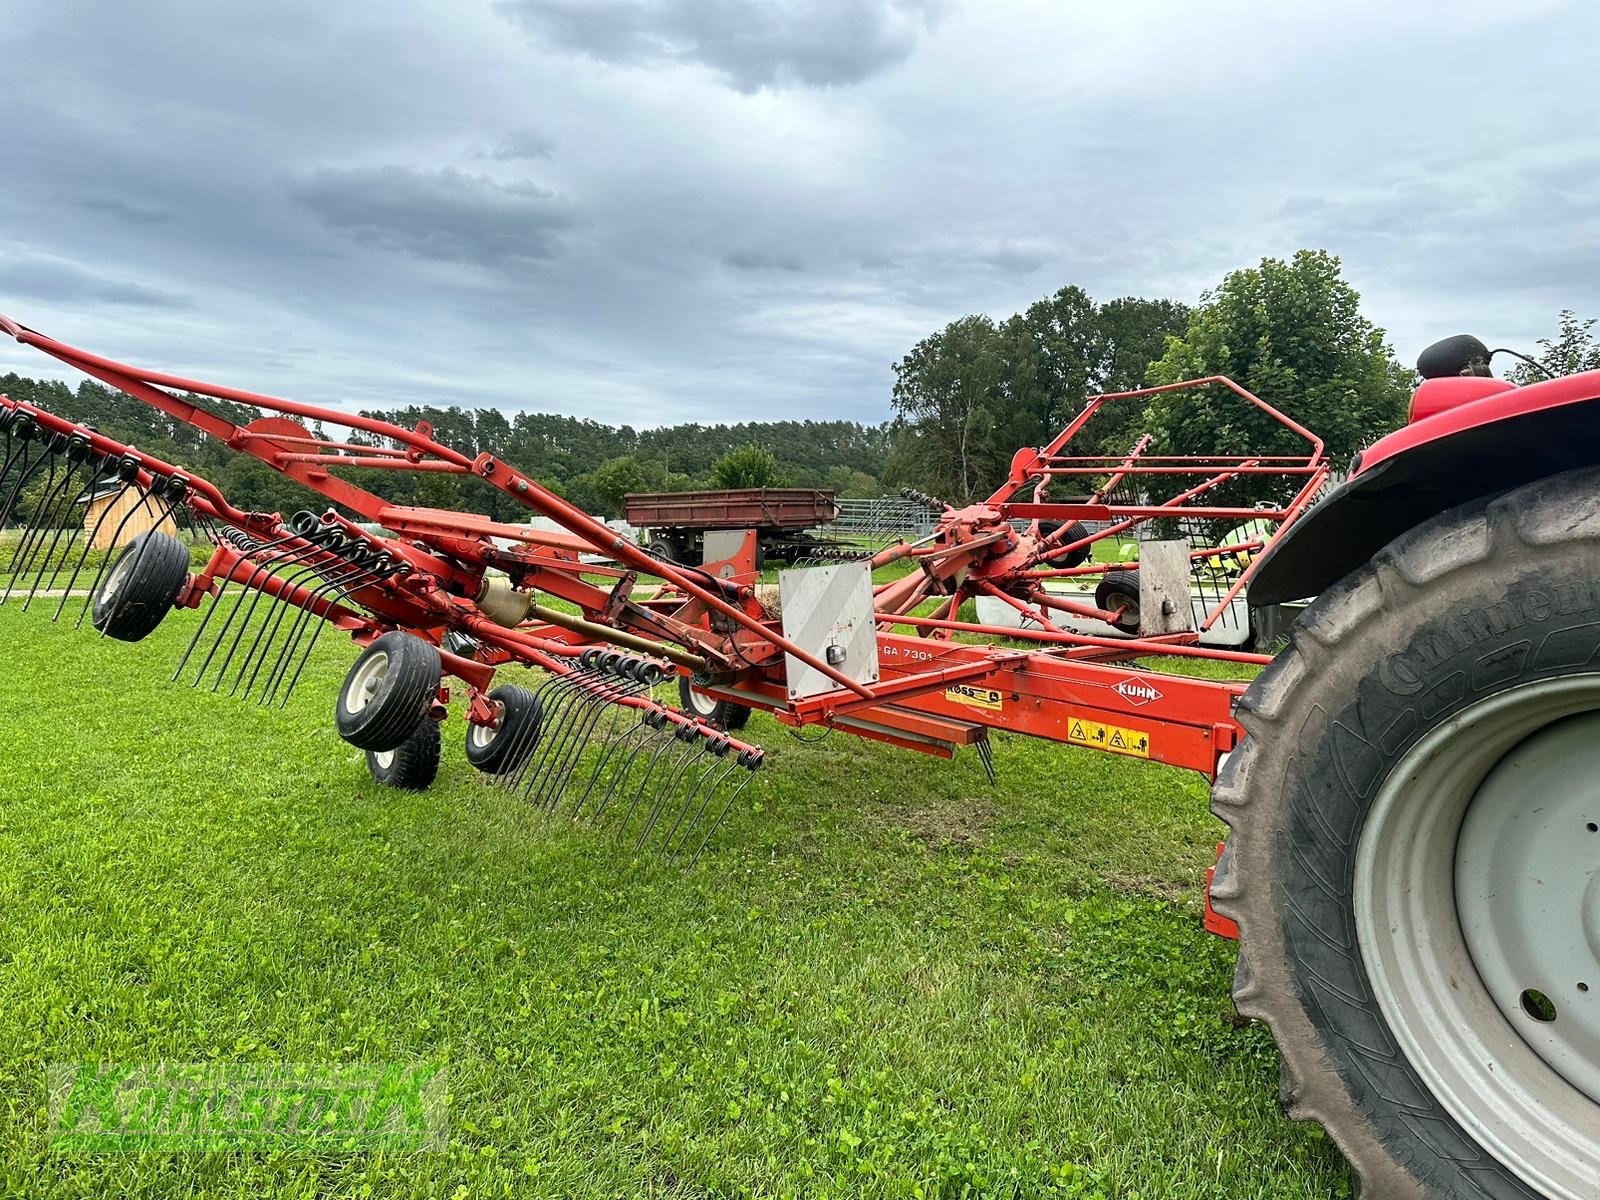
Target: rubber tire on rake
(1367, 757)
(1075, 533)
(724, 714)
(399, 675)
(503, 748)
(413, 764)
(1119, 588)
(141, 587)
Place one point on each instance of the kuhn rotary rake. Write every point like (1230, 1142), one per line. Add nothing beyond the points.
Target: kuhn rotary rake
(1420, 935)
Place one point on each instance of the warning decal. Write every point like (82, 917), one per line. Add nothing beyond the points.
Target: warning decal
(976, 697)
(1114, 738)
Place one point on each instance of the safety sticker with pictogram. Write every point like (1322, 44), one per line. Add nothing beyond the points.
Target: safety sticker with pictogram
(1115, 738)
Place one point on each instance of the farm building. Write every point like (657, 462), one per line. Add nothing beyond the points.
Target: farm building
(114, 516)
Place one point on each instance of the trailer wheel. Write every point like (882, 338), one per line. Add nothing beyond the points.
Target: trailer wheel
(388, 690)
(724, 714)
(1119, 589)
(141, 587)
(1075, 533)
(505, 747)
(1414, 856)
(413, 764)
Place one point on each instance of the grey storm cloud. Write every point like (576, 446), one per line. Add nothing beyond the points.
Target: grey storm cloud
(671, 210)
(520, 144)
(751, 260)
(818, 43)
(42, 277)
(442, 213)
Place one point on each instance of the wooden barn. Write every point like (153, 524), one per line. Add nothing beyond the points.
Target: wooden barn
(127, 513)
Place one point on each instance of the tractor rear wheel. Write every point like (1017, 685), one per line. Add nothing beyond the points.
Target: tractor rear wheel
(1415, 837)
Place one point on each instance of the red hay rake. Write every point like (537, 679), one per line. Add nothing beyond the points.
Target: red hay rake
(444, 593)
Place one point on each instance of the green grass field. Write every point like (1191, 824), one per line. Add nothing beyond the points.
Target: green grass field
(885, 977)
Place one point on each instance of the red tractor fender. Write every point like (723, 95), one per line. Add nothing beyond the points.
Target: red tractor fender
(1469, 437)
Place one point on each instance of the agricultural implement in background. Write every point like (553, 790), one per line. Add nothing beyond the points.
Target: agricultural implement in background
(691, 527)
(1425, 946)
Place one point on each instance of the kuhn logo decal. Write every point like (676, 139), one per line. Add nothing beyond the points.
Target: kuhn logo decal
(1137, 692)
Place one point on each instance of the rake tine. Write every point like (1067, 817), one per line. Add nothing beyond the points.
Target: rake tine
(108, 465)
(619, 714)
(21, 554)
(528, 738)
(986, 757)
(685, 735)
(575, 692)
(281, 570)
(606, 696)
(552, 698)
(568, 739)
(26, 434)
(664, 734)
(388, 569)
(642, 732)
(46, 523)
(751, 768)
(718, 759)
(248, 546)
(273, 622)
(84, 494)
(335, 587)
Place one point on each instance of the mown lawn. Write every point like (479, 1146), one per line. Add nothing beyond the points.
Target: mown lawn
(885, 977)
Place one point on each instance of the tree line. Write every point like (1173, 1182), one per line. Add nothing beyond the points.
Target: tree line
(965, 398)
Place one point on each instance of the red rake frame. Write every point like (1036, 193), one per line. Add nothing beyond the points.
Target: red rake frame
(944, 681)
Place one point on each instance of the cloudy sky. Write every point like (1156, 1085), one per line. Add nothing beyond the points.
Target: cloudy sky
(663, 210)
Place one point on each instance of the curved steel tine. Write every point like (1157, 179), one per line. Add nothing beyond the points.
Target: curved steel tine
(611, 740)
(568, 738)
(87, 493)
(273, 622)
(246, 581)
(25, 544)
(641, 733)
(29, 467)
(53, 507)
(338, 590)
(705, 787)
(552, 699)
(522, 750)
(343, 593)
(604, 700)
(750, 773)
(575, 690)
(667, 742)
(287, 562)
(664, 793)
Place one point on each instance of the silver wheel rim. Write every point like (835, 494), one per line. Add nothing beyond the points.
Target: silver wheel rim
(366, 682)
(1455, 925)
(384, 758)
(119, 573)
(702, 704)
(482, 735)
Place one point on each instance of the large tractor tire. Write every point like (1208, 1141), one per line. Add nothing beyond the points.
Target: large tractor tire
(1415, 836)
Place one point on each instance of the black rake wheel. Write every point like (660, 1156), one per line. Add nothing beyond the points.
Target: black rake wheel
(724, 714)
(413, 764)
(141, 587)
(1119, 589)
(388, 690)
(1413, 850)
(504, 747)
